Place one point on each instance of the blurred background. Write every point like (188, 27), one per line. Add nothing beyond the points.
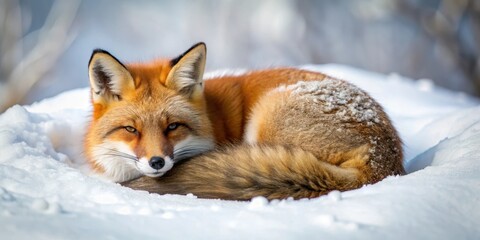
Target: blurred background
(45, 45)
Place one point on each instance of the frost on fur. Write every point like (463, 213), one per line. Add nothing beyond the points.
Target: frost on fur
(348, 102)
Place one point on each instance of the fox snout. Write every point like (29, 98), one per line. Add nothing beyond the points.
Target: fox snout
(156, 162)
(154, 166)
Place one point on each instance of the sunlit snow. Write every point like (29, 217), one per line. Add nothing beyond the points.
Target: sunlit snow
(46, 192)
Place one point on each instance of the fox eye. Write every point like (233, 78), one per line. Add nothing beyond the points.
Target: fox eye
(131, 129)
(172, 126)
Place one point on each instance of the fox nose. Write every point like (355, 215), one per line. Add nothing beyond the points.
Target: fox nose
(156, 162)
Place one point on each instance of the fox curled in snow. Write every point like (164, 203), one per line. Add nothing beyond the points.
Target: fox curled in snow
(275, 133)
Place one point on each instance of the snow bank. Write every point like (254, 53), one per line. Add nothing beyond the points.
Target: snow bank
(45, 193)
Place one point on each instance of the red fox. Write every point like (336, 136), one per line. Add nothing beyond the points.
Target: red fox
(276, 133)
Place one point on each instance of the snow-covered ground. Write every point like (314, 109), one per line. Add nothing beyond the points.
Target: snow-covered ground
(46, 194)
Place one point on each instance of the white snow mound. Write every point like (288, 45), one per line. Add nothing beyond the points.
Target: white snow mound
(46, 192)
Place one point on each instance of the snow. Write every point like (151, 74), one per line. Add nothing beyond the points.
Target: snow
(349, 103)
(46, 192)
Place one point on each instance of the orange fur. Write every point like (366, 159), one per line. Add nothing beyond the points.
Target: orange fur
(307, 133)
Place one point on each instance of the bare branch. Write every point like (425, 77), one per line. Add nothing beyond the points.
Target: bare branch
(53, 39)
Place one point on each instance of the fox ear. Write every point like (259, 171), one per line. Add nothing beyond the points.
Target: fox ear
(186, 76)
(109, 78)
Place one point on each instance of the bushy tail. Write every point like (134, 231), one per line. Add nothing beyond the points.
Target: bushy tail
(245, 171)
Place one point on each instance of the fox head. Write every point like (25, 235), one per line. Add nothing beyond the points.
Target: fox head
(146, 116)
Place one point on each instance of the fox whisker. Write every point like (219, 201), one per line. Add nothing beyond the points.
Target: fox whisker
(127, 157)
(188, 152)
(116, 153)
